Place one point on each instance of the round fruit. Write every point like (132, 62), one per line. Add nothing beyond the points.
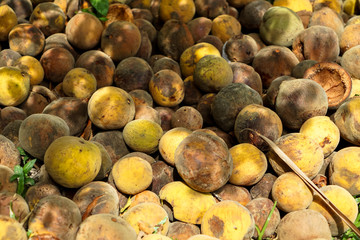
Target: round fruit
(111, 108)
(14, 86)
(142, 135)
(79, 83)
(8, 20)
(72, 161)
(212, 73)
(32, 66)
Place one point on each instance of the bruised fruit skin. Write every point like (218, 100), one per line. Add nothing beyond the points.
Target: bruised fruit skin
(260, 119)
(344, 169)
(187, 117)
(14, 86)
(302, 150)
(49, 18)
(291, 193)
(55, 215)
(72, 161)
(323, 131)
(228, 220)
(26, 39)
(108, 226)
(240, 48)
(343, 200)
(203, 161)
(188, 205)
(260, 208)
(111, 108)
(174, 38)
(167, 88)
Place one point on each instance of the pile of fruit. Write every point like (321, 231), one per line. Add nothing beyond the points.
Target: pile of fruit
(148, 119)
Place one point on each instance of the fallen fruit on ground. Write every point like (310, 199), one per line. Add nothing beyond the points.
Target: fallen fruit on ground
(142, 135)
(132, 175)
(15, 86)
(72, 161)
(343, 200)
(182, 198)
(105, 225)
(228, 220)
(111, 108)
(203, 161)
(17, 230)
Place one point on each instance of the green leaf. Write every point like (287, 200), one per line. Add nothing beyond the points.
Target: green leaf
(28, 233)
(29, 181)
(28, 166)
(101, 6)
(18, 170)
(22, 151)
(103, 19)
(21, 185)
(14, 177)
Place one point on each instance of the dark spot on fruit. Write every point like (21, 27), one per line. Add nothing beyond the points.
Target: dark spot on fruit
(216, 226)
(324, 142)
(113, 219)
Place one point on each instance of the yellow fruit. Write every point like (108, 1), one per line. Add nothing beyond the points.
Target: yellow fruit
(111, 108)
(8, 20)
(355, 87)
(228, 220)
(169, 142)
(295, 5)
(302, 150)
(79, 83)
(343, 200)
(32, 66)
(291, 193)
(14, 86)
(72, 161)
(225, 26)
(142, 135)
(345, 169)
(188, 205)
(11, 229)
(250, 164)
(167, 88)
(148, 217)
(193, 54)
(132, 175)
(183, 10)
(323, 131)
